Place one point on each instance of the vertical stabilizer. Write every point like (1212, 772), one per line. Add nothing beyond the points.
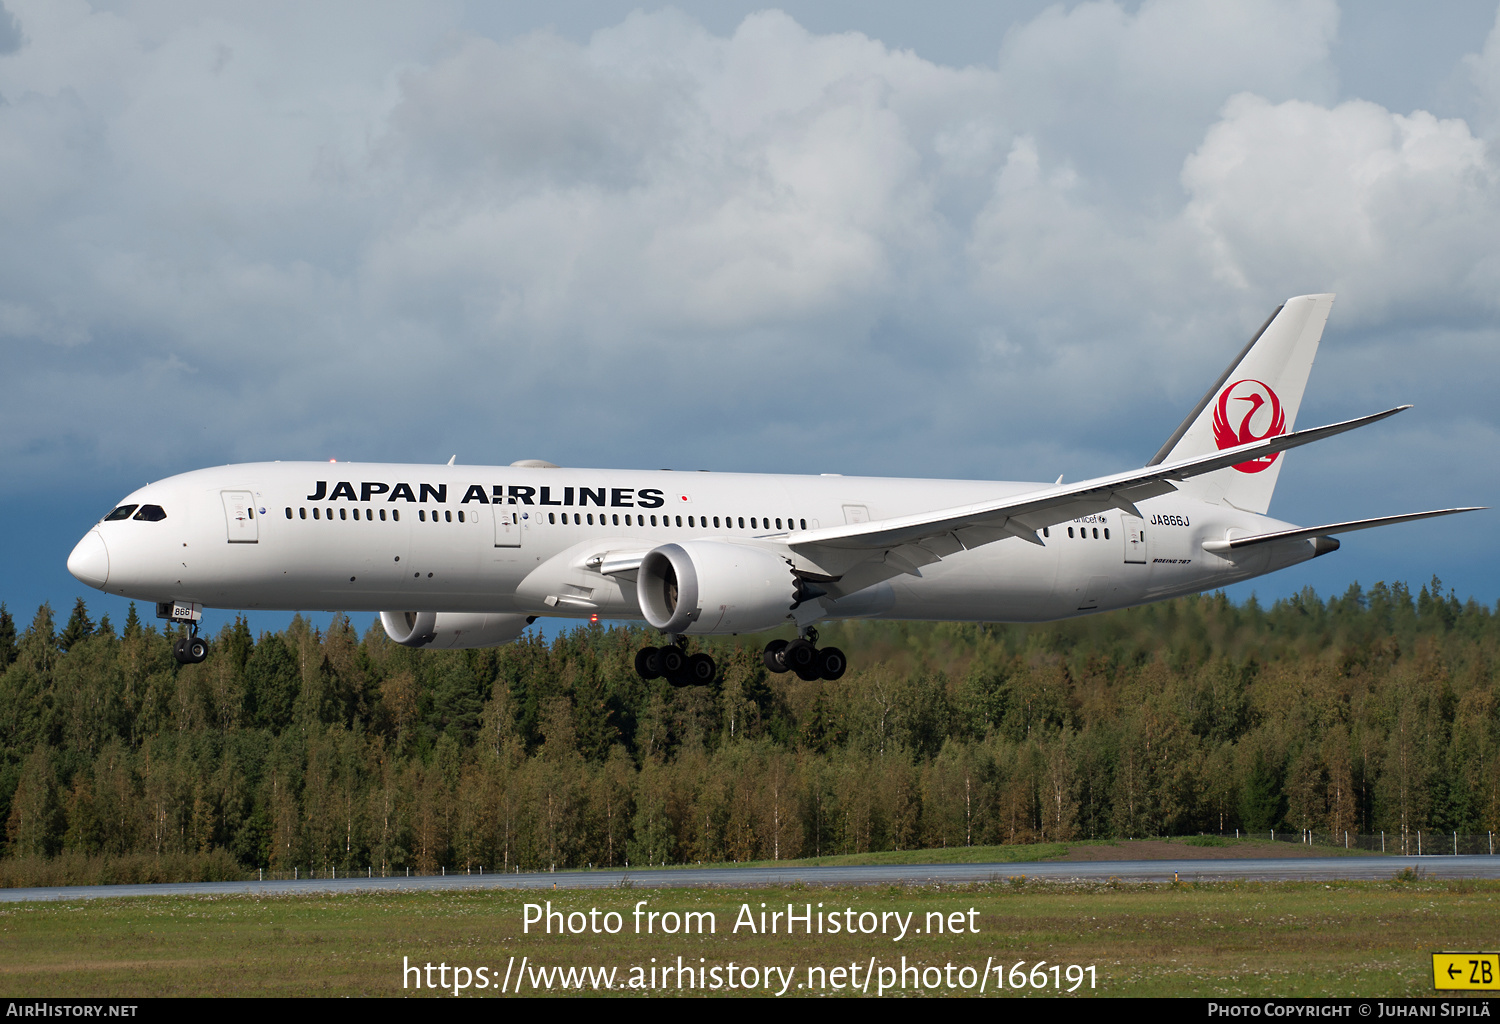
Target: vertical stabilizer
(1257, 397)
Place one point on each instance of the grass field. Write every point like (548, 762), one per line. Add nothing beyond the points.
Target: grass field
(1290, 939)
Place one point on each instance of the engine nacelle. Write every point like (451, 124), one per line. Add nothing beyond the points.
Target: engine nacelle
(453, 630)
(710, 586)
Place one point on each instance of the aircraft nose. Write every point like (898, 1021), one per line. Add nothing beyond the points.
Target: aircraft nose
(89, 561)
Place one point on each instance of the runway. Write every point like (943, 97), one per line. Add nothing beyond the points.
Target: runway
(1264, 870)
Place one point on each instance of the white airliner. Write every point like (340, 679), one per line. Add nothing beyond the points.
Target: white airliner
(469, 556)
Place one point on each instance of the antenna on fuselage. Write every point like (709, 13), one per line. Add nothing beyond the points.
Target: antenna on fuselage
(451, 458)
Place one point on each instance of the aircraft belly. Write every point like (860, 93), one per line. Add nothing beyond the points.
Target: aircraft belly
(1007, 581)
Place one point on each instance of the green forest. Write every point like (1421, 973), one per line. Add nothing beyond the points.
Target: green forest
(308, 750)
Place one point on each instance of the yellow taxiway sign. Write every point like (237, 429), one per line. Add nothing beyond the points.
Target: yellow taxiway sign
(1466, 970)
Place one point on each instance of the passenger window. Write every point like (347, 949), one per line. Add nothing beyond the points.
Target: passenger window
(289, 511)
(679, 520)
(460, 516)
(716, 522)
(742, 522)
(151, 514)
(382, 515)
(302, 513)
(448, 517)
(591, 518)
(123, 512)
(1106, 533)
(1070, 531)
(422, 514)
(804, 524)
(616, 519)
(1046, 532)
(778, 522)
(396, 515)
(653, 520)
(317, 514)
(343, 513)
(552, 518)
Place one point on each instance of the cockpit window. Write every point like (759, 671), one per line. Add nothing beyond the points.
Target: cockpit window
(151, 513)
(123, 512)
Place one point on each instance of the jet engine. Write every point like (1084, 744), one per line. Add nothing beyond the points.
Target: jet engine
(453, 630)
(709, 586)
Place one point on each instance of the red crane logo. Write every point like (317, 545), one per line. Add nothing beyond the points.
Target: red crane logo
(1255, 408)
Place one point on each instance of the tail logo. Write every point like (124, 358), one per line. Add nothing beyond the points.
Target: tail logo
(1256, 410)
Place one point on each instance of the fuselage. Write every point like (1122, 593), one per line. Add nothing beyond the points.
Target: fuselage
(376, 537)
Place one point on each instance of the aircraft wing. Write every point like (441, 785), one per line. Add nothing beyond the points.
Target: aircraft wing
(905, 543)
(1302, 533)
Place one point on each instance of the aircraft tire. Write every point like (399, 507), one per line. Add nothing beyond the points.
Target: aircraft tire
(771, 656)
(673, 661)
(197, 649)
(701, 670)
(831, 663)
(801, 657)
(179, 651)
(648, 663)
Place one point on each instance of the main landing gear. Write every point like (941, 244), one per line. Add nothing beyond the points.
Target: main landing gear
(674, 664)
(805, 658)
(190, 649)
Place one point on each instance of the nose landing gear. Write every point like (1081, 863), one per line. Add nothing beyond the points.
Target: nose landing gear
(674, 664)
(805, 658)
(191, 649)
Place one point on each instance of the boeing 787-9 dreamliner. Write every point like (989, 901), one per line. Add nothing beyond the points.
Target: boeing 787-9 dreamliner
(468, 556)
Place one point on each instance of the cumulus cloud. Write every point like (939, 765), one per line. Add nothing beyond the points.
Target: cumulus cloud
(1397, 213)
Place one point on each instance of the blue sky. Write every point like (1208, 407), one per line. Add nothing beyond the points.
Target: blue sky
(972, 240)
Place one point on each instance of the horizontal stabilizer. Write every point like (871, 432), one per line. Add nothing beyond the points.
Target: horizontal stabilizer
(1221, 546)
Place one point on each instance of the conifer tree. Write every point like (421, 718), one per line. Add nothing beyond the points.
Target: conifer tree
(132, 623)
(39, 642)
(7, 637)
(79, 626)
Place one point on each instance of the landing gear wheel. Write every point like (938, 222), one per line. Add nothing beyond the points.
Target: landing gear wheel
(771, 656)
(802, 658)
(673, 661)
(701, 670)
(189, 650)
(831, 663)
(648, 663)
